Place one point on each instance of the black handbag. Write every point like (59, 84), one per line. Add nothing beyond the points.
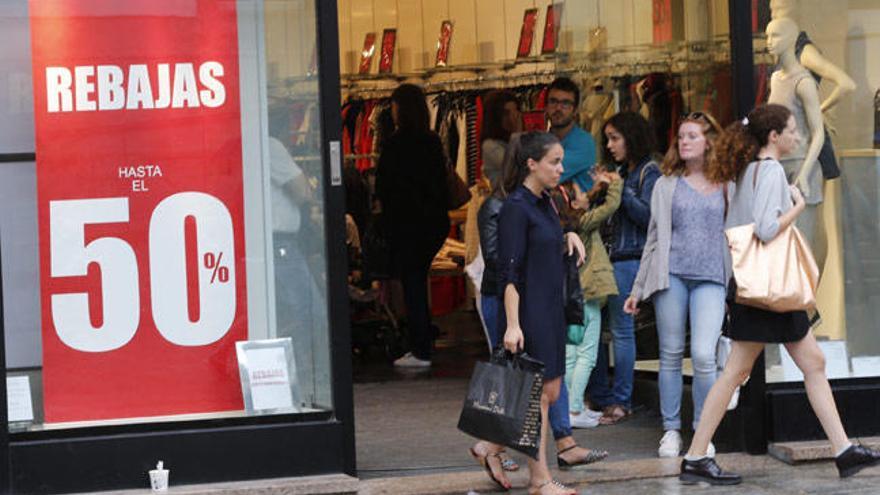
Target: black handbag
(503, 403)
(574, 295)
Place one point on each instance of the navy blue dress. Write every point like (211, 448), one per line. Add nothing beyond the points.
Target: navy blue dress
(530, 249)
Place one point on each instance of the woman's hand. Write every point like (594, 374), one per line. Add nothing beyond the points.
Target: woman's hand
(796, 196)
(581, 199)
(631, 306)
(574, 243)
(513, 339)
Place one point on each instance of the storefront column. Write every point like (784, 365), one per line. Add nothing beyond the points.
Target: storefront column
(337, 267)
(750, 420)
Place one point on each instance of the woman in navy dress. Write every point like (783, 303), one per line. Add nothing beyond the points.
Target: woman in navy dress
(531, 245)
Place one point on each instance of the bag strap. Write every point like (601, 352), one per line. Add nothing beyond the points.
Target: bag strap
(726, 201)
(642, 174)
(755, 177)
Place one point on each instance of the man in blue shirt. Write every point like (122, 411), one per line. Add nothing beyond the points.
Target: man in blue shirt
(563, 99)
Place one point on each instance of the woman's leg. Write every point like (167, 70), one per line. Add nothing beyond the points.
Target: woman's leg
(539, 473)
(809, 358)
(707, 315)
(739, 366)
(583, 357)
(414, 279)
(623, 332)
(538, 470)
(490, 319)
(670, 307)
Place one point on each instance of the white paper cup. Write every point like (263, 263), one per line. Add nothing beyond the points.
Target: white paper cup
(159, 480)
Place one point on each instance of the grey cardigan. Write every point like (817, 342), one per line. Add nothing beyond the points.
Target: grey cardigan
(653, 273)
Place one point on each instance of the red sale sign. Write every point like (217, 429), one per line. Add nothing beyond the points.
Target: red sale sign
(140, 206)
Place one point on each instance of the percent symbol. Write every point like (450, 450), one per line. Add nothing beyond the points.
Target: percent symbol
(212, 262)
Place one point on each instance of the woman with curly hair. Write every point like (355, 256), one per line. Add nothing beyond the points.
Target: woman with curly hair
(749, 153)
(629, 145)
(683, 270)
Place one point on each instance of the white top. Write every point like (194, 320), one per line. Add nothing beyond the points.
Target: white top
(285, 212)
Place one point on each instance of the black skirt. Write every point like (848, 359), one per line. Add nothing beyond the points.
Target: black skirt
(751, 324)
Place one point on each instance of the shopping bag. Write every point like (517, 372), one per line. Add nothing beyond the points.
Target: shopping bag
(503, 403)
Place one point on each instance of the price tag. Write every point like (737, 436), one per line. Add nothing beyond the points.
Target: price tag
(140, 204)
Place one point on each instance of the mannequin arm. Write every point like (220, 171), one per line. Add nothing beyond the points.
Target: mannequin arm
(843, 84)
(809, 95)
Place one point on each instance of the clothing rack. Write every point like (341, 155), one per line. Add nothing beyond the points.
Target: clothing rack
(680, 57)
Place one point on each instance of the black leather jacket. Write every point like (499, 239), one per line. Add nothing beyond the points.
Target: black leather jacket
(487, 223)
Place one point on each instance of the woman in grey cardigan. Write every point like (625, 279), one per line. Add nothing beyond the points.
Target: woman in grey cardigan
(683, 270)
(750, 152)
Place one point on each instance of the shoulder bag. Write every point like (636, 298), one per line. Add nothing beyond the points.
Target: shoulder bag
(780, 275)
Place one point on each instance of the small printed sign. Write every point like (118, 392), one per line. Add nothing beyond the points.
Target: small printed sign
(268, 376)
(19, 405)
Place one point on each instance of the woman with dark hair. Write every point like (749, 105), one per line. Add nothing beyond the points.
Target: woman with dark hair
(530, 272)
(749, 153)
(411, 185)
(683, 270)
(629, 144)
(501, 118)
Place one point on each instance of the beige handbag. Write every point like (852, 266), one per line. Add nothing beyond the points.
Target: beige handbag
(780, 275)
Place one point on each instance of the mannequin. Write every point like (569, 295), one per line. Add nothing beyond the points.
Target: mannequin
(793, 86)
(820, 67)
(810, 57)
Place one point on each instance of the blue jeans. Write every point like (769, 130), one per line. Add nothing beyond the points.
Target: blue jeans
(704, 303)
(623, 333)
(558, 414)
(489, 310)
(580, 359)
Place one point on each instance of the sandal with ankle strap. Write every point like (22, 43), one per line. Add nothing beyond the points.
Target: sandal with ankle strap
(507, 463)
(484, 461)
(614, 414)
(537, 490)
(591, 457)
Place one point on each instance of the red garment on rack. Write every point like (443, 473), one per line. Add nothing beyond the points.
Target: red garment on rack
(541, 101)
(364, 140)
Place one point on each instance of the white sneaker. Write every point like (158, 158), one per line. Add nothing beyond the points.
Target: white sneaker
(583, 420)
(410, 361)
(670, 444)
(710, 451)
(592, 414)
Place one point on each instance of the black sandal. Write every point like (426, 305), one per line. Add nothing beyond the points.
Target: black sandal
(590, 458)
(484, 461)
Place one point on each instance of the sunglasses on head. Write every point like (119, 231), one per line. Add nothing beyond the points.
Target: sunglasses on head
(701, 117)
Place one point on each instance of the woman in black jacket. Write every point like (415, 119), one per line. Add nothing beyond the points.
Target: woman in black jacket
(411, 184)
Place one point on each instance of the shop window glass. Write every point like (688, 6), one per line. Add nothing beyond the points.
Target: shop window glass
(836, 40)
(173, 266)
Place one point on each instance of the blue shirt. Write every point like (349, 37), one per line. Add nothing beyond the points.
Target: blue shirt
(580, 156)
